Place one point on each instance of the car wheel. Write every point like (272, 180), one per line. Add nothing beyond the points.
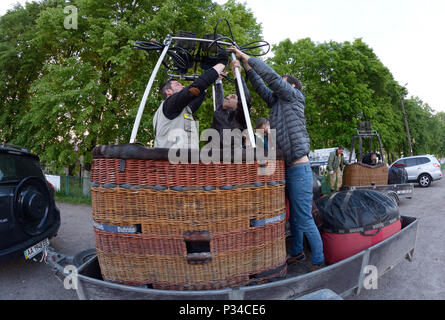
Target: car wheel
(424, 180)
(32, 205)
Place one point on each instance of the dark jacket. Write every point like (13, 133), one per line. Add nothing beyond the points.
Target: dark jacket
(334, 161)
(287, 110)
(175, 104)
(229, 119)
(367, 159)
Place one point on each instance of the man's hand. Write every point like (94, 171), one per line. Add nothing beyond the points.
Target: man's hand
(219, 68)
(238, 53)
(235, 64)
(222, 75)
(241, 56)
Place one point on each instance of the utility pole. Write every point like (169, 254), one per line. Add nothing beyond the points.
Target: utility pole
(406, 125)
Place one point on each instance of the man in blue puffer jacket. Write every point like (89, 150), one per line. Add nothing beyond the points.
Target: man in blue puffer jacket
(283, 95)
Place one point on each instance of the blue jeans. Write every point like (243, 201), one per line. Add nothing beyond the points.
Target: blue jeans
(299, 193)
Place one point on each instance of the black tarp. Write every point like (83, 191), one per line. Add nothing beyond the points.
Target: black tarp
(356, 211)
(397, 174)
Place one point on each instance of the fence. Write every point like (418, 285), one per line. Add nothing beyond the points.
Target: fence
(72, 187)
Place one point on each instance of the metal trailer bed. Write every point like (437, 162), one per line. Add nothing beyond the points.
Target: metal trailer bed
(343, 278)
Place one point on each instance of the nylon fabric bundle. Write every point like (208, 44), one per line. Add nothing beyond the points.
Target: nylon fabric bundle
(356, 211)
(397, 175)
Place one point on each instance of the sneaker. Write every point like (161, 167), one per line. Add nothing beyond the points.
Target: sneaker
(316, 267)
(298, 257)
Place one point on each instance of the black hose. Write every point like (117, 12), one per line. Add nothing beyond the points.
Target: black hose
(243, 48)
(183, 59)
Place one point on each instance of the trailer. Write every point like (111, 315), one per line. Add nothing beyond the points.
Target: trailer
(344, 278)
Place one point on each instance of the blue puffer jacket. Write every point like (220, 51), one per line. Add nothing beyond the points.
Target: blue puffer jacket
(287, 110)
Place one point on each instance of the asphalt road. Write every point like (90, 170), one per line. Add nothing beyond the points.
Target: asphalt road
(424, 278)
(28, 280)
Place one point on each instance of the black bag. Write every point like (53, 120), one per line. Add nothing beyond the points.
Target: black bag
(397, 174)
(357, 211)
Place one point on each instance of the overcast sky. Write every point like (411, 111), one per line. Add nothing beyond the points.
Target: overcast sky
(406, 35)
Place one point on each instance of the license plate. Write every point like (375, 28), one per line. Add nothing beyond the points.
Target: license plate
(36, 249)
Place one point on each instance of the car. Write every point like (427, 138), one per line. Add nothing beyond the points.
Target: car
(422, 169)
(28, 213)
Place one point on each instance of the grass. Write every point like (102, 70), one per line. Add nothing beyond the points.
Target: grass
(61, 197)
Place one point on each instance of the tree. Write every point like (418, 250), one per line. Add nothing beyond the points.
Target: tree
(344, 83)
(426, 129)
(20, 65)
(79, 88)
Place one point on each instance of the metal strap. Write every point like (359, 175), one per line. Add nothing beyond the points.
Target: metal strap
(115, 229)
(362, 229)
(263, 222)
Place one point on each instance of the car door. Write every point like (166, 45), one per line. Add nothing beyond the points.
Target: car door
(411, 168)
(423, 164)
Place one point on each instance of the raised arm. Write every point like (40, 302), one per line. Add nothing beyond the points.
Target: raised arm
(277, 85)
(196, 102)
(275, 82)
(219, 94)
(174, 104)
(258, 85)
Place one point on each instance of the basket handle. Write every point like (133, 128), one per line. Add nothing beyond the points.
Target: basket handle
(198, 246)
(199, 258)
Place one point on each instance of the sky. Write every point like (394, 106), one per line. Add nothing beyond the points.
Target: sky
(406, 35)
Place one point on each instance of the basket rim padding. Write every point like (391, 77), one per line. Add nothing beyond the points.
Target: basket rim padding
(140, 152)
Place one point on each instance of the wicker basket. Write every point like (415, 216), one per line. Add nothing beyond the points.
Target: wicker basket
(163, 174)
(163, 262)
(360, 174)
(186, 226)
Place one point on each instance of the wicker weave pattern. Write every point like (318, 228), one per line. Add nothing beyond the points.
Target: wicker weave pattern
(238, 280)
(357, 174)
(141, 244)
(150, 269)
(173, 212)
(162, 173)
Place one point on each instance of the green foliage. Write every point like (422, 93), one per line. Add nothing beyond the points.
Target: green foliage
(61, 197)
(427, 130)
(346, 83)
(64, 91)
